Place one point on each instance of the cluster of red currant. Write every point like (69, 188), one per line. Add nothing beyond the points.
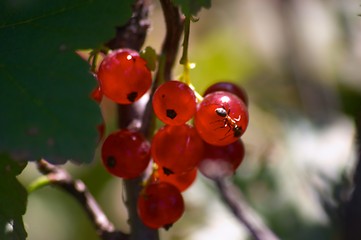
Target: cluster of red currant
(178, 149)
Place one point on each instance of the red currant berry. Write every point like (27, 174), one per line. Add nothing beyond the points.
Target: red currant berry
(174, 103)
(124, 76)
(228, 87)
(221, 118)
(221, 161)
(97, 94)
(177, 149)
(182, 181)
(160, 204)
(125, 153)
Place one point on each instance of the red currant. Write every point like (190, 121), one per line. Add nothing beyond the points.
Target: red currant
(97, 94)
(174, 103)
(124, 76)
(228, 87)
(221, 118)
(125, 153)
(177, 149)
(160, 204)
(221, 161)
(182, 181)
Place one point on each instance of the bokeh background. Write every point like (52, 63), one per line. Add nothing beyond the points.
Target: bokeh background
(299, 61)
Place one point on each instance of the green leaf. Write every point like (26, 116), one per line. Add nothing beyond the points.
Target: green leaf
(150, 56)
(13, 199)
(192, 7)
(44, 85)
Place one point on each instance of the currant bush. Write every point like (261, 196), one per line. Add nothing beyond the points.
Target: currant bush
(177, 149)
(181, 180)
(228, 87)
(174, 103)
(221, 161)
(123, 76)
(125, 153)
(221, 118)
(160, 204)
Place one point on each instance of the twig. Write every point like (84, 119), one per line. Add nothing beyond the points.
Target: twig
(60, 178)
(234, 200)
(140, 115)
(174, 27)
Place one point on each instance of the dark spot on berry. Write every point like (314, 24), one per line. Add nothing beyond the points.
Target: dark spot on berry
(168, 226)
(132, 96)
(163, 95)
(167, 171)
(111, 161)
(171, 113)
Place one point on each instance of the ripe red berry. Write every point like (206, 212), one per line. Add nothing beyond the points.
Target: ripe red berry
(221, 118)
(177, 149)
(174, 103)
(160, 204)
(125, 153)
(182, 181)
(97, 94)
(228, 87)
(124, 76)
(221, 161)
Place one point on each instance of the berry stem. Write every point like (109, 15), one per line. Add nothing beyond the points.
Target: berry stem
(184, 59)
(198, 95)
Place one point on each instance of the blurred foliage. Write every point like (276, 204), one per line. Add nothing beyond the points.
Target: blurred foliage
(45, 86)
(13, 199)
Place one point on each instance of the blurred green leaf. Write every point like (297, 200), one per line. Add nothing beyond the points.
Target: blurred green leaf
(150, 56)
(44, 85)
(192, 7)
(13, 199)
(351, 99)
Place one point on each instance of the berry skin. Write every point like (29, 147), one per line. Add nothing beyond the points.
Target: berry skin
(177, 149)
(160, 204)
(123, 76)
(97, 94)
(221, 161)
(174, 103)
(125, 153)
(182, 181)
(221, 118)
(228, 87)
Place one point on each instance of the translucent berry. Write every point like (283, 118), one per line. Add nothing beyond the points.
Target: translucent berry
(221, 118)
(177, 149)
(221, 161)
(125, 153)
(124, 76)
(97, 94)
(228, 87)
(174, 103)
(160, 204)
(181, 180)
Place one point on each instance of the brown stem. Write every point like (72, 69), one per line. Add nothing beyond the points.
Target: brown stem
(174, 27)
(77, 189)
(234, 200)
(140, 115)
